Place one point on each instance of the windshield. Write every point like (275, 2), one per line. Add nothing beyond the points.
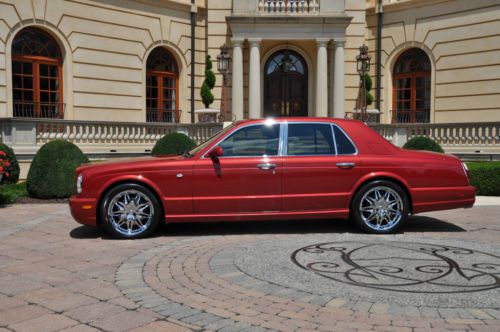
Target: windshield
(210, 140)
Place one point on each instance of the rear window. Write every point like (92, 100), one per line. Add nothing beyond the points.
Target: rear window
(344, 144)
(310, 139)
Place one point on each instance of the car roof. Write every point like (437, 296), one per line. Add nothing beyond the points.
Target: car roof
(298, 119)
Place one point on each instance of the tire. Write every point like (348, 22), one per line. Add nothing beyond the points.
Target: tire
(130, 211)
(380, 207)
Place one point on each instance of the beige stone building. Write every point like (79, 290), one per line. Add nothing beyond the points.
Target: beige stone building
(130, 61)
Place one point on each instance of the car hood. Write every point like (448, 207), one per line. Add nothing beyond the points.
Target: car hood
(129, 163)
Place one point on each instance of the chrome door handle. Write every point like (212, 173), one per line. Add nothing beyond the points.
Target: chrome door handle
(266, 166)
(346, 165)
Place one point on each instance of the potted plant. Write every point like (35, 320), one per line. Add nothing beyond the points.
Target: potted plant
(207, 114)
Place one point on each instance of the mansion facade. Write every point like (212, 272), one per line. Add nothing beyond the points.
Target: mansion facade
(432, 61)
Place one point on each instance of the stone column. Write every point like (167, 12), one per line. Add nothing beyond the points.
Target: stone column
(322, 78)
(338, 79)
(254, 100)
(237, 84)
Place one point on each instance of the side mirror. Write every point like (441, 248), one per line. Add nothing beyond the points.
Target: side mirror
(215, 153)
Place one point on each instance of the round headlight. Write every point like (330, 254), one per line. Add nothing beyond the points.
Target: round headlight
(79, 183)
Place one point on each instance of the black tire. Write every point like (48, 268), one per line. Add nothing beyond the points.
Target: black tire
(386, 220)
(139, 223)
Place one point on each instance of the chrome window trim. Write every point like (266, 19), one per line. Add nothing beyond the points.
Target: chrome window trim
(240, 128)
(350, 140)
(334, 140)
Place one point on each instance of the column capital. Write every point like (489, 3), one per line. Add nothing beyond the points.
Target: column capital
(237, 41)
(255, 42)
(322, 42)
(339, 42)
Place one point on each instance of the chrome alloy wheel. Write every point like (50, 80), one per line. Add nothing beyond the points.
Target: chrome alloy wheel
(381, 208)
(130, 212)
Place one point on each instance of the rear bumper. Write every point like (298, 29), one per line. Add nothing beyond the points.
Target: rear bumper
(83, 210)
(434, 199)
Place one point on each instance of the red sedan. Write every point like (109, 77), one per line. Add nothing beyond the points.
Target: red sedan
(287, 168)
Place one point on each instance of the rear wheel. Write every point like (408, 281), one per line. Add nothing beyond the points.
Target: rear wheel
(130, 211)
(380, 207)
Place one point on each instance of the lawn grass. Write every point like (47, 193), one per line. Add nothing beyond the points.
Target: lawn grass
(10, 192)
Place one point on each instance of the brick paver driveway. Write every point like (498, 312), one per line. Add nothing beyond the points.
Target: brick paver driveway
(442, 273)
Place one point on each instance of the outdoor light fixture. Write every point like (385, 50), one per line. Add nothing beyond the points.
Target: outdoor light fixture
(223, 60)
(363, 67)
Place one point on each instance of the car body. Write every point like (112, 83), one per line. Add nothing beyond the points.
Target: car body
(284, 168)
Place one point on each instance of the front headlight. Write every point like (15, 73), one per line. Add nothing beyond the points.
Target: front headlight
(79, 183)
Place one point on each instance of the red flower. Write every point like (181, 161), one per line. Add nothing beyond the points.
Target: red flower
(7, 174)
(6, 163)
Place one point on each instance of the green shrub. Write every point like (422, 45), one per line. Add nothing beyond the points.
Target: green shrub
(9, 193)
(13, 168)
(208, 84)
(423, 143)
(368, 88)
(173, 143)
(485, 176)
(52, 172)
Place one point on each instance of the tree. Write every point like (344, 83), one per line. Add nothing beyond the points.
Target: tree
(368, 87)
(208, 84)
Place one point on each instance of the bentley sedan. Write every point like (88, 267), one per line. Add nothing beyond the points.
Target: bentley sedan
(286, 168)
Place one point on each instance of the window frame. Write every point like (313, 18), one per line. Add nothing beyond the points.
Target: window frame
(285, 142)
(231, 133)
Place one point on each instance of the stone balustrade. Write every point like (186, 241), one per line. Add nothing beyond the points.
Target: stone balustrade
(480, 137)
(288, 6)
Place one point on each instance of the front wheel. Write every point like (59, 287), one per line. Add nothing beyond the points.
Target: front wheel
(130, 211)
(380, 207)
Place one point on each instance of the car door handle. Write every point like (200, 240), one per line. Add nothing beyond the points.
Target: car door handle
(346, 165)
(266, 166)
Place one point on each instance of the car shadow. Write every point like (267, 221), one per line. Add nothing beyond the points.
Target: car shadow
(416, 224)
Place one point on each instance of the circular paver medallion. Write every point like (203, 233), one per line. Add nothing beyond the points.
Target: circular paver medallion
(402, 266)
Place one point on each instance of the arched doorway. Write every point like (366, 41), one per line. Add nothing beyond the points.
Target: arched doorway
(285, 85)
(412, 87)
(36, 75)
(162, 87)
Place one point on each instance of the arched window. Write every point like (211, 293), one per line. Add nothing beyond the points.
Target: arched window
(412, 87)
(36, 75)
(162, 87)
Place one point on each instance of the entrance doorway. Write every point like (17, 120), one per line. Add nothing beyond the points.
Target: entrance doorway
(285, 85)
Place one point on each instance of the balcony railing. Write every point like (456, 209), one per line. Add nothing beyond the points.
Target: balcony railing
(288, 6)
(453, 137)
(164, 116)
(410, 116)
(32, 109)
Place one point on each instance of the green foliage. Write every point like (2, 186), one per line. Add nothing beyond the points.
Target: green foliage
(485, 176)
(52, 172)
(9, 193)
(208, 84)
(13, 168)
(173, 143)
(368, 87)
(423, 143)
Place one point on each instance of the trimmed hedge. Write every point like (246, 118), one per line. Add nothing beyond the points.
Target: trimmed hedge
(485, 176)
(13, 169)
(423, 143)
(52, 172)
(173, 143)
(9, 193)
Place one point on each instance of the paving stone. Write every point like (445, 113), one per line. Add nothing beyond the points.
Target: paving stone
(46, 323)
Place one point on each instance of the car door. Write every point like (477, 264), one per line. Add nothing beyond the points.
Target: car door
(246, 178)
(319, 169)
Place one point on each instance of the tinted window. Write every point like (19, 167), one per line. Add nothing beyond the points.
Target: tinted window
(344, 145)
(258, 140)
(310, 139)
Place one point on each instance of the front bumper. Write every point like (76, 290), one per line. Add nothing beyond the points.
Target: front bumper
(83, 210)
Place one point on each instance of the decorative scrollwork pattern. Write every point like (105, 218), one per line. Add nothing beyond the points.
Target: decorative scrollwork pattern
(401, 266)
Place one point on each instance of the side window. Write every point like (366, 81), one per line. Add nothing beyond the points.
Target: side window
(344, 145)
(305, 139)
(252, 141)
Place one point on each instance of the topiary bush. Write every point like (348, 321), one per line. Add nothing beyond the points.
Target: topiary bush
(173, 143)
(208, 84)
(52, 172)
(11, 172)
(485, 176)
(423, 143)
